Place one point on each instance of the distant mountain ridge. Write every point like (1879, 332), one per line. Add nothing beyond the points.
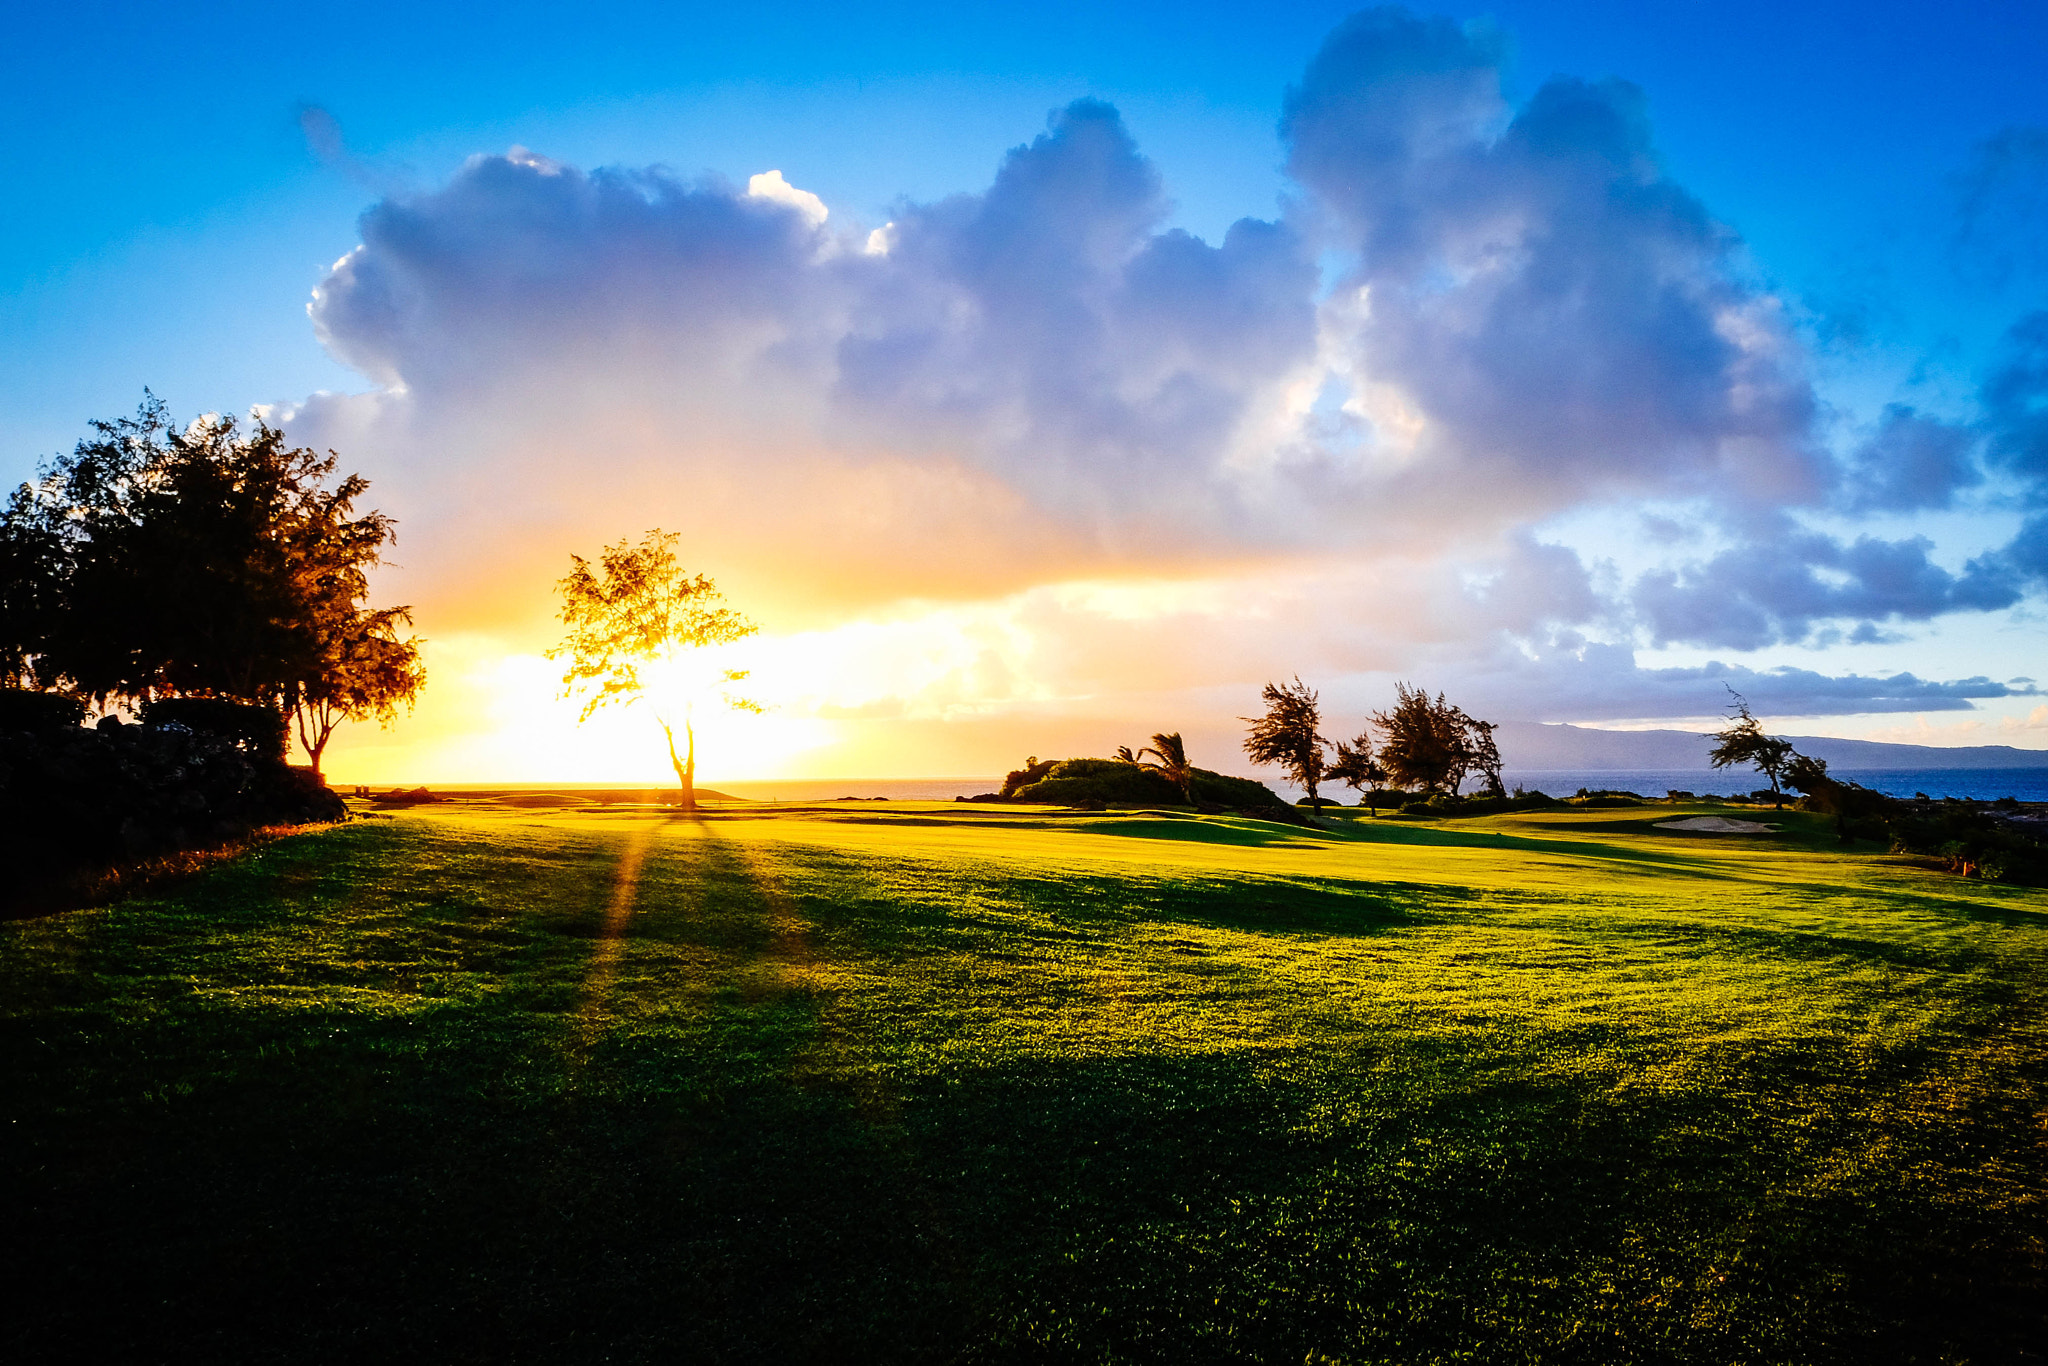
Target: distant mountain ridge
(1530, 744)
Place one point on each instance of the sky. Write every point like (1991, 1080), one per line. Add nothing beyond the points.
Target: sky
(1042, 378)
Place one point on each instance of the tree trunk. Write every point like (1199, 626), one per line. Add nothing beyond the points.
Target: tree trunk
(319, 726)
(686, 769)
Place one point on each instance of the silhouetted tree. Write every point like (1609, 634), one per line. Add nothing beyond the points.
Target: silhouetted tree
(1356, 766)
(1485, 753)
(1286, 735)
(1170, 761)
(365, 671)
(1426, 744)
(1744, 742)
(1124, 755)
(156, 561)
(638, 608)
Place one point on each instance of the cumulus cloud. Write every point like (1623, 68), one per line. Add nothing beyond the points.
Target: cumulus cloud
(1778, 590)
(2015, 401)
(1581, 681)
(1001, 394)
(1564, 320)
(1912, 462)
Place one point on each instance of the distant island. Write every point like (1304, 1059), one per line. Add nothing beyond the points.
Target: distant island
(1533, 745)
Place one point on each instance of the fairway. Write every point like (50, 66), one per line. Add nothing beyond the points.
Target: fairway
(548, 1081)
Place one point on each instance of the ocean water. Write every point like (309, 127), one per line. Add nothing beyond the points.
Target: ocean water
(828, 789)
(1981, 784)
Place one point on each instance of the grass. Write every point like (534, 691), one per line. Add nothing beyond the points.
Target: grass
(493, 1082)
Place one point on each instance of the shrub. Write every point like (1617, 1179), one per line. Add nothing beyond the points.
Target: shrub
(24, 710)
(255, 729)
(74, 800)
(1443, 804)
(1034, 770)
(1113, 781)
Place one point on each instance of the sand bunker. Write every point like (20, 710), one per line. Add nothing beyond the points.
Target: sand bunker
(1719, 825)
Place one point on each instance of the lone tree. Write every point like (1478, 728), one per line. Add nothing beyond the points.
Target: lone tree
(1357, 767)
(1744, 742)
(1486, 754)
(205, 561)
(1170, 761)
(366, 671)
(1427, 744)
(1286, 735)
(637, 610)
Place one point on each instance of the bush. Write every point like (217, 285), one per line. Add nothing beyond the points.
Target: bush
(1034, 770)
(256, 730)
(1113, 781)
(1101, 780)
(24, 710)
(1443, 804)
(1218, 789)
(76, 800)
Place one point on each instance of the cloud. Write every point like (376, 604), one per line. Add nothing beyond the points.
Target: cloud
(1779, 589)
(2001, 202)
(2015, 402)
(1912, 462)
(1563, 320)
(771, 185)
(2026, 731)
(1580, 681)
(1113, 459)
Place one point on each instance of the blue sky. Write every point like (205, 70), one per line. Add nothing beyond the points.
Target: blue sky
(172, 216)
(169, 220)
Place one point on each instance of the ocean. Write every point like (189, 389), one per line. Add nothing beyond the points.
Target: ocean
(1983, 784)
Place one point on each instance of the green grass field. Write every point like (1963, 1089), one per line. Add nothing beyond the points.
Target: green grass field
(546, 1082)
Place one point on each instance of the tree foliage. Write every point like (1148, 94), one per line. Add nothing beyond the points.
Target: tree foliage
(634, 609)
(1169, 759)
(1428, 744)
(1359, 768)
(207, 561)
(1743, 741)
(1286, 735)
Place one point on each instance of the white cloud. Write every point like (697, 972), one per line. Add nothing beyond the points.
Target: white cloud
(771, 186)
(1036, 418)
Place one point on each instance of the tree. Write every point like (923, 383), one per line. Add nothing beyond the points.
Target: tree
(1486, 754)
(1286, 735)
(156, 561)
(1170, 761)
(366, 671)
(1744, 742)
(1425, 744)
(638, 609)
(1357, 767)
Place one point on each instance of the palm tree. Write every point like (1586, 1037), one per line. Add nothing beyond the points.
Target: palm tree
(1170, 762)
(1124, 755)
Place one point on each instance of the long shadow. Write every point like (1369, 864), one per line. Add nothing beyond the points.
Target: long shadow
(1416, 1200)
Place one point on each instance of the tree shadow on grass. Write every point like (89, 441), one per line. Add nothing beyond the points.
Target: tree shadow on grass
(1408, 1206)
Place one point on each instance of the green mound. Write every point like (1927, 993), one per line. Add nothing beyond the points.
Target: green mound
(1114, 782)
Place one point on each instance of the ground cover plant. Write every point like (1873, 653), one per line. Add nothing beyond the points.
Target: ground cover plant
(548, 1081)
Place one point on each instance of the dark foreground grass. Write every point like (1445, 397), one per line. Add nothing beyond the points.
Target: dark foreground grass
(533, 1086)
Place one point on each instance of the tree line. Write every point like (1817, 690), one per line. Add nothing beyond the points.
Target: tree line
(1423, 744)
(158, 562)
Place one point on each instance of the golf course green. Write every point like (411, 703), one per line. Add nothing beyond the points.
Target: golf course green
(541, 1079)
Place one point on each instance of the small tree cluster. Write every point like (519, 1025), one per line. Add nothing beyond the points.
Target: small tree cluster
(205, 561)
(1744, 742)
(1424, 743)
